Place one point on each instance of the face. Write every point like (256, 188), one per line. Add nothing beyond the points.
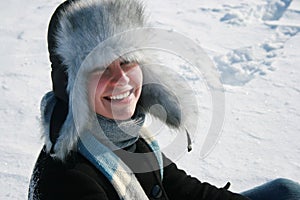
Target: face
(114, 92)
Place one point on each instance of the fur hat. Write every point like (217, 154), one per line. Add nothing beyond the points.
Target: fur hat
(76, 29)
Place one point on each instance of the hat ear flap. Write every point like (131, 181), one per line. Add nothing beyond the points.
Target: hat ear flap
(156, 96)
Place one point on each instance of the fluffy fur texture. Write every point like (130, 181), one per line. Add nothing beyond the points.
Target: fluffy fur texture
(89, 38)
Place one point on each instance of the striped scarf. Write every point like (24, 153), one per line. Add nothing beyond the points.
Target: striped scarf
(116, 171)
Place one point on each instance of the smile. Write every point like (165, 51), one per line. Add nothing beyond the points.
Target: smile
(120, 96)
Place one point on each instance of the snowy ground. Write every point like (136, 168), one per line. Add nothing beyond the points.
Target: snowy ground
(255, 46)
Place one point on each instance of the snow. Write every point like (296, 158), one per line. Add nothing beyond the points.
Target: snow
(253, 44)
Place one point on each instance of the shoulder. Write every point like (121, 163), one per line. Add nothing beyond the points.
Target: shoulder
(75, 178)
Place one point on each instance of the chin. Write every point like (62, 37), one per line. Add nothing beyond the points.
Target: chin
(123, 115)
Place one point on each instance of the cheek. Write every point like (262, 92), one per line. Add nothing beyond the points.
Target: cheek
(95, 87)
(136, 76)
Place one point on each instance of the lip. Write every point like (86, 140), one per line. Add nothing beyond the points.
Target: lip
(123, 100)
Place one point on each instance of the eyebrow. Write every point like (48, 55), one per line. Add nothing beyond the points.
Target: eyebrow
(98, 69)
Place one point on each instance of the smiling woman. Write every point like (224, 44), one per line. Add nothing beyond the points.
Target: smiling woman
(96, 144)
(114, 92)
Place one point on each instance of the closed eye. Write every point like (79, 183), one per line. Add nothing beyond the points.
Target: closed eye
(127, 65)
(124, 62)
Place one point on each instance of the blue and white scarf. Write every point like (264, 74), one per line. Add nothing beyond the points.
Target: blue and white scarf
(115, 170)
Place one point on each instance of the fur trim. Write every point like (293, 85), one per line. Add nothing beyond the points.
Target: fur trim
(46, 108)
(159, 102)
(89, 38)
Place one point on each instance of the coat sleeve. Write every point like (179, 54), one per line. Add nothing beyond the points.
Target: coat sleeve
(178, 185)
(53, 179)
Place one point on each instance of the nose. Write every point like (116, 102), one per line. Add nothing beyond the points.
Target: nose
(119, 77)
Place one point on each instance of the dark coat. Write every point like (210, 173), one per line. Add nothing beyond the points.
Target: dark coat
(77, 178)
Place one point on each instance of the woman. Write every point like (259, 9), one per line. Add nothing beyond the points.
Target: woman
(114, 158)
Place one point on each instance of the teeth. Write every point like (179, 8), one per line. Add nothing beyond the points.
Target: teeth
(120, 96)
